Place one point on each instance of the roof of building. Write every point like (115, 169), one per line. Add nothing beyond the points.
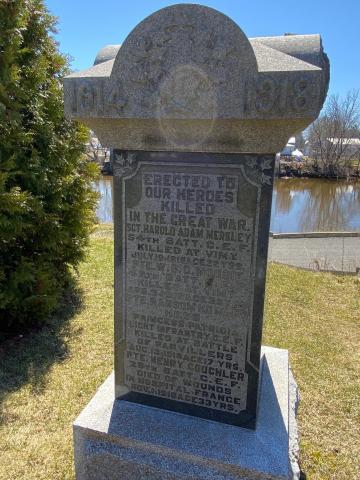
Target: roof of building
(297, 153)
(346, 141)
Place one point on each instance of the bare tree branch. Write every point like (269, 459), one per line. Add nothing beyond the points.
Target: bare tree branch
(334, 136)
(95, 151)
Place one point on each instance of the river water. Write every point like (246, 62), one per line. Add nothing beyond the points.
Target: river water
(299, 205)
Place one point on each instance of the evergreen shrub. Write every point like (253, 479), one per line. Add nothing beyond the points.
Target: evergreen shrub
(46, 199)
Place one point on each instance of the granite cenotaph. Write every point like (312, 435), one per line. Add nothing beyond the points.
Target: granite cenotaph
(194, 112)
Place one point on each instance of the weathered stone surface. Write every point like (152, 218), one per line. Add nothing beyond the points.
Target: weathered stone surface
(117, 439)
(191, 229)
(188, 79)
(307, 48)
(195, 112)
(108, 52)
(190, 268)
(294, 441)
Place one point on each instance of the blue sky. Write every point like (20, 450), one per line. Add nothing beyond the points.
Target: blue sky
(84, 27)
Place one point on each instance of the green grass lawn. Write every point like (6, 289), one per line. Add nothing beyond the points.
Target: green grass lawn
(47, 377)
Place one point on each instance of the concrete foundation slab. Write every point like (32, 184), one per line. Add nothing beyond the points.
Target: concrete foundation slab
(116, 439)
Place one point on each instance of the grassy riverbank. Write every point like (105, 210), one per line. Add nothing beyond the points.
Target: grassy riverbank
(308, 168)
(47, 377)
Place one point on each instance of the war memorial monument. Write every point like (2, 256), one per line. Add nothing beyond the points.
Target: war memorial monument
(195, 112)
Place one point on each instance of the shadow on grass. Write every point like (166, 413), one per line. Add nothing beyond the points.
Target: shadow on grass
(26, 359)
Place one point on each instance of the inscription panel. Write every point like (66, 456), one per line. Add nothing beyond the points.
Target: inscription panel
(189, 260)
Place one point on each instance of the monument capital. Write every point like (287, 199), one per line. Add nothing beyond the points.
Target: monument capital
(188, 79)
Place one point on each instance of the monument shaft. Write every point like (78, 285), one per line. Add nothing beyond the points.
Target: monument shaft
(189, 280)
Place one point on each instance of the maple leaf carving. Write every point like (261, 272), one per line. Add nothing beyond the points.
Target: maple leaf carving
(124, 166)
(258, 172)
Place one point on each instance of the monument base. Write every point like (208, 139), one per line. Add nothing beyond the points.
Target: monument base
(119, 440)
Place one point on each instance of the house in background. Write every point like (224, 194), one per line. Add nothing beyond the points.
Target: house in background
(289, 147)
(346, 148)
(288, 155)
(297, 155)
(350, 146)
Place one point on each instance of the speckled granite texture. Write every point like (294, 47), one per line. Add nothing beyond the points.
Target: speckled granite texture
(187, 78)
(117, 440)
